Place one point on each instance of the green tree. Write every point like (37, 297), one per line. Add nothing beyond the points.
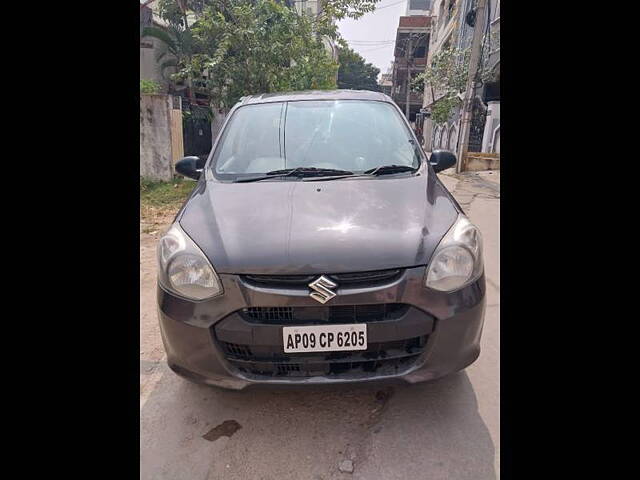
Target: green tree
(244, 47)
(178, 46)
(446, 77)
(354, 73)
(255, 46)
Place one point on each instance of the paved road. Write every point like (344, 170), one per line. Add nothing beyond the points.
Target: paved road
(446, 429)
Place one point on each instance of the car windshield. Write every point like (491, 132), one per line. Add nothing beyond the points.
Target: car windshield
(351, 135)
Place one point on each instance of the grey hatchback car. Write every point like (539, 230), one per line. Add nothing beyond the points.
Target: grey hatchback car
(319, 246)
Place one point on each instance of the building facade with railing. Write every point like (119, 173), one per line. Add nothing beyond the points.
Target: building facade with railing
(386, 81)
(410, 59)
(452, 27)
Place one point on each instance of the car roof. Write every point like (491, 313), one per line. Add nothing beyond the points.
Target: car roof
(314, 95)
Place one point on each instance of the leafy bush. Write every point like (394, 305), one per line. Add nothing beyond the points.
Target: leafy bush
(447, 75)
(149, 86)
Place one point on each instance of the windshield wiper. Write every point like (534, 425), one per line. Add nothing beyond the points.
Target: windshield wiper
(298, 171)
(329, 173)
(373, 172)
(388, 169)
(305, 170)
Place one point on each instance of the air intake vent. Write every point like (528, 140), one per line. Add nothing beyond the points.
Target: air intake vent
(324, 315)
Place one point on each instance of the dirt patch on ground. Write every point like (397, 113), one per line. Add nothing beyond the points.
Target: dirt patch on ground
(150, 342)
(154, 222)
(151, 349)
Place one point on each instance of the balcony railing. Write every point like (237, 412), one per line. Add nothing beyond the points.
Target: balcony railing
(401, 97)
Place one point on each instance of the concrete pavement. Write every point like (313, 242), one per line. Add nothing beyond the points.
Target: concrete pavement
(446, 429)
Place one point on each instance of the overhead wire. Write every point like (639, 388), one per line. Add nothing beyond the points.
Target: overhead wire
(390, 5)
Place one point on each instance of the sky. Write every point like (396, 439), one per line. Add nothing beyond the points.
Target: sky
(365, 34)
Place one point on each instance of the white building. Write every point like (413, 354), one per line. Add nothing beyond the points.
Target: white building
(450, 29)
(312, 8)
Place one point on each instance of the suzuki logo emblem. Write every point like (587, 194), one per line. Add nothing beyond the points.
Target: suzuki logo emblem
(322, 289)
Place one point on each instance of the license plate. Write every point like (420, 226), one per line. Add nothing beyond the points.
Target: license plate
(325, 338)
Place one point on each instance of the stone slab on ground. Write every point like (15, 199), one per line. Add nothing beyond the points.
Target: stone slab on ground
(490, 175)
(449, 181)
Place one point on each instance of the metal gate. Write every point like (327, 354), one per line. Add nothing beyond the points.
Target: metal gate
(476, 131)
(196, 124)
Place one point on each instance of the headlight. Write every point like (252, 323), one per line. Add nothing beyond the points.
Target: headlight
(183, 268)
(457, 261)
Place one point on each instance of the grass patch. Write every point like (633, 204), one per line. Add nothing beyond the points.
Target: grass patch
(160, 201)
(160, 194)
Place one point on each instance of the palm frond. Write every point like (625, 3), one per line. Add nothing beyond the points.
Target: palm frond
(184, 40)
(161, 35)
(163, 54)
(166, 64)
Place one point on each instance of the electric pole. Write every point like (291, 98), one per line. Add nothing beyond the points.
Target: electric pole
(409, 55)
(474, 63)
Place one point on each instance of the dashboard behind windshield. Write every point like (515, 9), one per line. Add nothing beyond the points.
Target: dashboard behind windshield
(353, 135)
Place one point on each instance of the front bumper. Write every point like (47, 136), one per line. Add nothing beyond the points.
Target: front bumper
(197, 335)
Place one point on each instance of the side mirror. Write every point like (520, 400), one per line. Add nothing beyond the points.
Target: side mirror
(190, 167)
(441, 160)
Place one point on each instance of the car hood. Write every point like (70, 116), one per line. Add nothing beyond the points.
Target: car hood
(296, 227)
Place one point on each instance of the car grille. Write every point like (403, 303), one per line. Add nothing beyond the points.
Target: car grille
(324, 315)
(385, 358)
(252, 343)
(360, 279)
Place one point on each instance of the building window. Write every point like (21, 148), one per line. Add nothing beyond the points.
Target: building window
(419, 4)
(421, 48)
